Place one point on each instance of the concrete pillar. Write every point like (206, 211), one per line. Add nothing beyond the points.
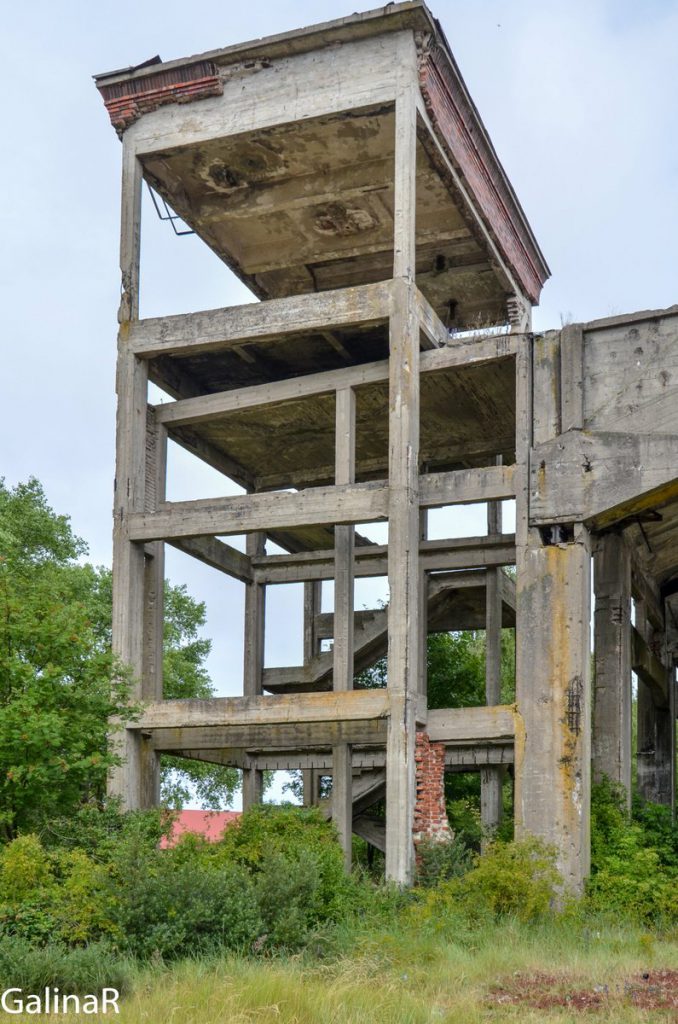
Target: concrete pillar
(344, 543)
(312, 608)
(656, 750)
(252, 787)
(310, 777)
(404, 626)
(553, 690)
(310, 787)
(611, 743)
(553, 660)
(129, 781)
(492, 777)
(656, 739)
(253, 659)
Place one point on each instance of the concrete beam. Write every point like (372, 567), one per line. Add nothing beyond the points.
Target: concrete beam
(354, 705)
(601, 478)
(372, 559)
(216, 329)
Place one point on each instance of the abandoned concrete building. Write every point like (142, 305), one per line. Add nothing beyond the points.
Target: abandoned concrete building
(343, 173)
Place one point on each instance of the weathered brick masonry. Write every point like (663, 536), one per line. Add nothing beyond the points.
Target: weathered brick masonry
(471, 153)
(127, 101)
(430, 815)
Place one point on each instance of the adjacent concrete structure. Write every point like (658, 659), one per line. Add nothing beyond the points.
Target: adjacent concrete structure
(343, 173)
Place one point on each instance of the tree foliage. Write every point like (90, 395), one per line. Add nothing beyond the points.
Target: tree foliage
(58, 682)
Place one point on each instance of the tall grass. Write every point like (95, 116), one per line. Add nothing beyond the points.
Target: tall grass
(405, 977)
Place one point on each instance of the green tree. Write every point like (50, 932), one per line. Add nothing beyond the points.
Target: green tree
(58, 682)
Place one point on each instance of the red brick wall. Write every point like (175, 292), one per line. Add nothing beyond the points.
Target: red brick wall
(451, 117)
(430, 816)
(126, 101)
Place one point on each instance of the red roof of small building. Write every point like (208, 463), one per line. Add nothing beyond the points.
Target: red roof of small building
(208, 824)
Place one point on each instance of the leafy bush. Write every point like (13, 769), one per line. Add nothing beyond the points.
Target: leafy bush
(439, 861)
(301, 837)
(633, 863)
(25, 868)
(103, 831)
(172, 910)
(518, 879)
(52, 895)
(659, 831)
(290, 898)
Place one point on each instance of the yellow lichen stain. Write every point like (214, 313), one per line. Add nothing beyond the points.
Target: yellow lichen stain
(560, 672)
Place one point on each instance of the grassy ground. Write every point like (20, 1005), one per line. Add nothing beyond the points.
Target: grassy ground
(508, 973)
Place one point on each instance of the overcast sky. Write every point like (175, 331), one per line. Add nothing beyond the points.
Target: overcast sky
(579, 97)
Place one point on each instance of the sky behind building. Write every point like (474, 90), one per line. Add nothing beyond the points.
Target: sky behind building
(579, 98)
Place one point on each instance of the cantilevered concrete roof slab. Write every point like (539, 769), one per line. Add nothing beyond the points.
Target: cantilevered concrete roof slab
(279, 153)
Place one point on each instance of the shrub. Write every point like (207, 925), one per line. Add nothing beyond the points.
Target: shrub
(439, 861)
(301, 837)
(518, 879)
(101, 832)
(25, 868)
(174, 908)
(631, 876)
(82, 903)
(659, 830)
(290, 898)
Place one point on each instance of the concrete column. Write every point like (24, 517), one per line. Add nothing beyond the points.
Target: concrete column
(310, 777)
(154, 601)
(342, 774)
(611, 742)
(422, 681)
(252, 787)
(553, 662)
(129, 781)
(404, 625)
(553, 687)
(312, 608)
(655, 725)
(492, 777)
(253, 659)
(310, 780)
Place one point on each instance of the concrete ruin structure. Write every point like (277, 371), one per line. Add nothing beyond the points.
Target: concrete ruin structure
(343, 173)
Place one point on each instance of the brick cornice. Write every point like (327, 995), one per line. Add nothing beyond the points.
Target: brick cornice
(127, 100)
(463, 137)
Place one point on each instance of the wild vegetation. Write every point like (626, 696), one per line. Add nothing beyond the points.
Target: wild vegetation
(58, 681)
(264, 925)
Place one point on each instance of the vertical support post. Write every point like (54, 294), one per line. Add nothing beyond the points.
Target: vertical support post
(611, 743)
(310, 787)
(656, 725)
(553, 748)
(553, 689)
(125, 780)
(404, 627)
(156, 474)
(344, 540)
(646, 723)
(422, 680)
(253, 667)
(252, 786)
(492, 777)
(310, 777)
(312, 608)
(154, 600)
(665, 753)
